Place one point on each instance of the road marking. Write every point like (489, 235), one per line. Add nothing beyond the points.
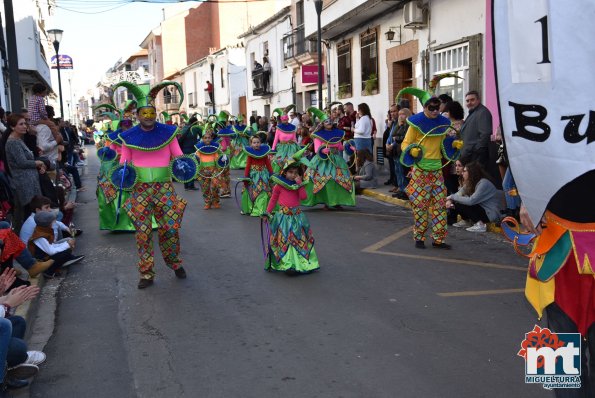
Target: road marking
(389, 239)
(453, 261)
(375, 248)
(480, 292)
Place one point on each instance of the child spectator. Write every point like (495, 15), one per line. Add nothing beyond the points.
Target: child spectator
(44, 247)
(38, 204)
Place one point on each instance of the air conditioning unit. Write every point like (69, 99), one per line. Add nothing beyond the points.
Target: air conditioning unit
(414, 16)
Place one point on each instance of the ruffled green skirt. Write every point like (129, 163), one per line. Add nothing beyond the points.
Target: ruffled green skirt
(285, 150)
(238, 156)
(330, 178)
(256, 208)
(291, 243)
(331, 195)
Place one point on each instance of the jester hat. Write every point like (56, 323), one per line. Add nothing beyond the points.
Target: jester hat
(147, 99)
(317, 114)
(283, 113)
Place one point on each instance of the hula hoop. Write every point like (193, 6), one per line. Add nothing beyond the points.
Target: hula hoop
(448, 127)
(265, 232)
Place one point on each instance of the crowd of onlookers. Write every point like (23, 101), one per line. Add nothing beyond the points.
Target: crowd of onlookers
(473, 182)
(40, 157)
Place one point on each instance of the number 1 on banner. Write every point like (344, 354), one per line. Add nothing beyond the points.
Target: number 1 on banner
(545, 47)
(529, 41)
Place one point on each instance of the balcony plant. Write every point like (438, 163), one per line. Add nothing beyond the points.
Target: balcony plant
(371, 84)
(344, 90)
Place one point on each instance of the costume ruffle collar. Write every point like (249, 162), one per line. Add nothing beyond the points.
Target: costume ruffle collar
(159, 137)
(261, 153)
(437, 126)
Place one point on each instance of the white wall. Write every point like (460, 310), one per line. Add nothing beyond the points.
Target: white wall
(226, 96)
(281, 76)
(29, 39)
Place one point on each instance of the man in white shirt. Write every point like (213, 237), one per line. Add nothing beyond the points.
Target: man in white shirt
(294, 119)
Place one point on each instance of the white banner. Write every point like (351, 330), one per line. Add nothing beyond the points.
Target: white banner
(544, 55)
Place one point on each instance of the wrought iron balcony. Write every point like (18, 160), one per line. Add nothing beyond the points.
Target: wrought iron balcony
(258, 83)
(295, 45)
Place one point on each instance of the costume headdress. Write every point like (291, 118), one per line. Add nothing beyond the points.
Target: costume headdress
(283, 113)
(147, 99)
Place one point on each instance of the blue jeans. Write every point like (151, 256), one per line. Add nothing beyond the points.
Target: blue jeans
(401, 178)
(363, 143)
(5, 336)
(512, 202)
(17, 348)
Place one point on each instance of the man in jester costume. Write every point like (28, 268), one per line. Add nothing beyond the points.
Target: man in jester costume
(238, 142)
(328, 180)
(146, 166)
(424, 146)
(285, 143)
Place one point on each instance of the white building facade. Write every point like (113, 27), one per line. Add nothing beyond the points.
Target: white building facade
(228, 76)
(265, 40)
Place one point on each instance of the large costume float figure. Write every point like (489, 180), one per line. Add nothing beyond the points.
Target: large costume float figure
(544, 52)
(151, 156)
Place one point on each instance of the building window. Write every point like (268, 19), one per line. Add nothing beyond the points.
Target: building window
(454, 59)
(369, 59)
(222, 79)
(344, 67)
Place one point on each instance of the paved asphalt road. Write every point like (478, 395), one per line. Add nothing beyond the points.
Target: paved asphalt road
(380, 319)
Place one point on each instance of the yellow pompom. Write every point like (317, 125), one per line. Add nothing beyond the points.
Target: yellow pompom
(457, 144)
(415, 152)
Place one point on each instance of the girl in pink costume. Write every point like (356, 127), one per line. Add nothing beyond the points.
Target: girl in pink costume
(291, 241)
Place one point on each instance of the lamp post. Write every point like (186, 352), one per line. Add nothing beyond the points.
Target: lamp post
(318, 5)
(213, 82)
(56, 37)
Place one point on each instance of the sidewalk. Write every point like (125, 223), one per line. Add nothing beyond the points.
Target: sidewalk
(382, 193)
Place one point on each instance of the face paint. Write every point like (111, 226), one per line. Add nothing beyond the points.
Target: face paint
(147, 113)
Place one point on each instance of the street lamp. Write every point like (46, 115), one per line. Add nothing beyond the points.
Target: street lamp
(318, 5)
(56, 37)
(211, 59)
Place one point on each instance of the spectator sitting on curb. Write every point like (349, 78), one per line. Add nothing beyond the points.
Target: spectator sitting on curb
(366, 175)
(43, 245)
(39, 204)
(14, 248)
(22, 364)
(477, 200)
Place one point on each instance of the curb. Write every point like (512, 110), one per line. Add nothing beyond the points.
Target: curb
(385, 198)
(491, 227)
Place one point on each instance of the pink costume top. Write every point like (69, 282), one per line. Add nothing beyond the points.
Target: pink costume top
(224, 143)
(158, 158)
(116, 147)
(318, 143)
(286, 197)
(282, 136)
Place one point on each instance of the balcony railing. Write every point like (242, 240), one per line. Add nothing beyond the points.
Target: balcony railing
(258, 83)
(295, 44)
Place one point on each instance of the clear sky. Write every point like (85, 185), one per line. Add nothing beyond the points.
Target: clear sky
(97, 37)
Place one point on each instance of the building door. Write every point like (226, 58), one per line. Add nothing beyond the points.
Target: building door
(243, 109)
(403, 77)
